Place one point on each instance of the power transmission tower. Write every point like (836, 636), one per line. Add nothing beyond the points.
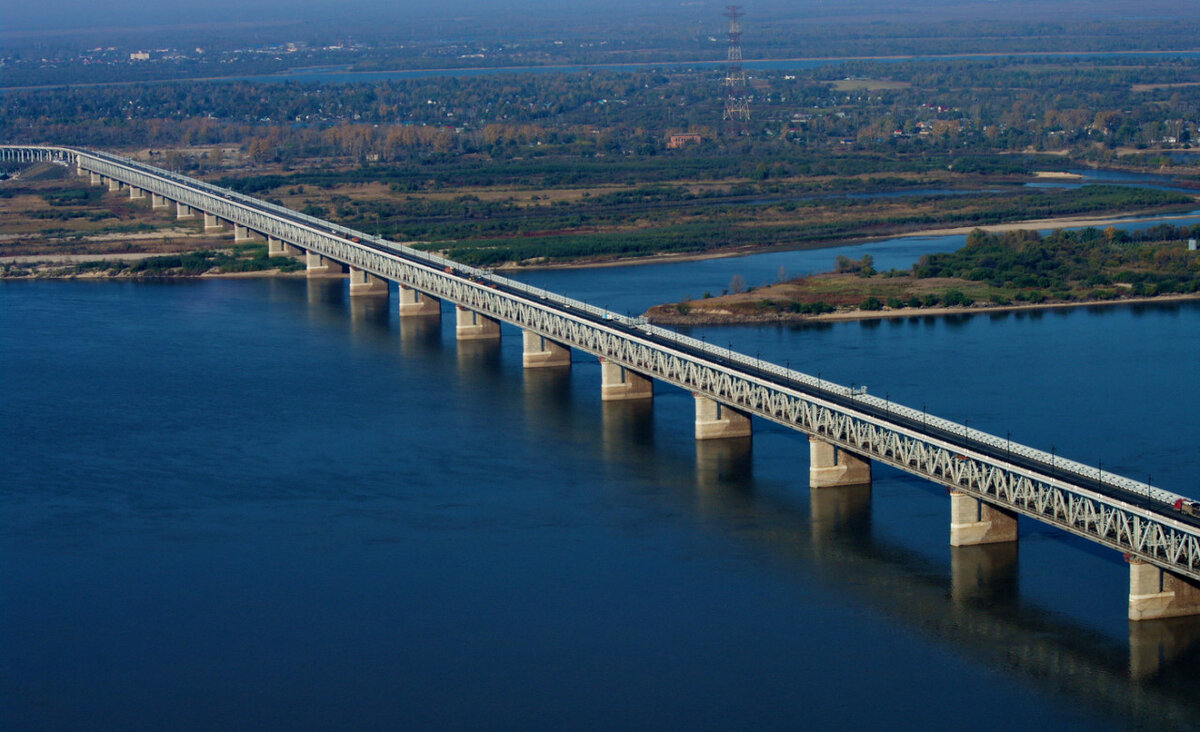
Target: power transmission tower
(737, 100)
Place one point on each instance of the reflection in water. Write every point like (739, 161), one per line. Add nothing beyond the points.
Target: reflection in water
(984, 574)
(479, 362)
(627, 430)
(839, 512)
(420, 334)
(547, 397)
(724, 465)
(368, 313)
(976, 606)
(325, 290)
(1155, 644)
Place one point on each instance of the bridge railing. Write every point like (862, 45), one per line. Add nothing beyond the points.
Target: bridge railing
(754, 367)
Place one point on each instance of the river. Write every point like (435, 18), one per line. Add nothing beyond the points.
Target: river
(255, 503)
(346, 74)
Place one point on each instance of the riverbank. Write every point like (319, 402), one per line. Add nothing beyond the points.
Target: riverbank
(716, 318)
(43, 264)
(1065, 222)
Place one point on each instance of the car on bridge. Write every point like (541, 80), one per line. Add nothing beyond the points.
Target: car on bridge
(1191, 508)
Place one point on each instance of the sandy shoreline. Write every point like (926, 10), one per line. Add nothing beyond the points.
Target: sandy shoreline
(774, 318)
(1040, 224)
(1055, 223)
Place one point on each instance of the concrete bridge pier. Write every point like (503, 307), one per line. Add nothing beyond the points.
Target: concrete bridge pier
(973, 521)
(279, 248)
(183, 211)
(473, 326)
(365, 284)
(241, 234)
(1155, 593)
(114, 185)
(618, 383)
(157, 201)
(717, 421)
(321, 266)
(830, 466)
(95, 178)
(414, 303)
(540, 352)
(212, 223)
(136, 194)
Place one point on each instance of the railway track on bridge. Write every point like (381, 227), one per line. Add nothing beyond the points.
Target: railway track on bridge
(1129, 516)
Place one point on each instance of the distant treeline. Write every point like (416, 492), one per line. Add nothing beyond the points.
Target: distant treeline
(961, 107)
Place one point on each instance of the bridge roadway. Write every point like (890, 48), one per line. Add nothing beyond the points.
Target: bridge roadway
(991, 480)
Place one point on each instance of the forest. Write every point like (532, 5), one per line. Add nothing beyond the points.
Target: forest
(1086, 107)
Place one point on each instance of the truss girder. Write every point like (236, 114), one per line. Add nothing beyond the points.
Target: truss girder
(1052, 499)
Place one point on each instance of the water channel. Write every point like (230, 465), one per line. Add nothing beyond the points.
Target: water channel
(257, 503)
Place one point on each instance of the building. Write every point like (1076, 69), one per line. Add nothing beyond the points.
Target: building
(674, 142)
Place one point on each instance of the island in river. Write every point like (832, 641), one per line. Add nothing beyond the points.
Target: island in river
(1002, 270)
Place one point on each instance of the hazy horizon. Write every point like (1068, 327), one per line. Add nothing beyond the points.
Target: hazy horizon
(125, 15)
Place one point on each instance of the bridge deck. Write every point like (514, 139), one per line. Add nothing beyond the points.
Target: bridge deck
(1115, 511)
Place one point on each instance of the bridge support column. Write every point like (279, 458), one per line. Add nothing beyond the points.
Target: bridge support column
(278, 248)
(241, 233)
(114, 184)
(830, 466)
(715, 421)
(1155, 593)
(136, 194)
(212, 223)
(973, 521)
(541, 351)
(473, 326)
(618, 383)
(364, 283)
(321, 266)
(184, 212)
(416, 303)
(157, 201)
(94, 178)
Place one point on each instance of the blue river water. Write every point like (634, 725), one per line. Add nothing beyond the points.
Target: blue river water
(344, 74)
(257, 504)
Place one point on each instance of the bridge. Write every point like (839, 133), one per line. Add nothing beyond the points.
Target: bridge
(991, 481)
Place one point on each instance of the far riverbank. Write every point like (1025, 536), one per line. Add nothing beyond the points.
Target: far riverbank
(711, 318)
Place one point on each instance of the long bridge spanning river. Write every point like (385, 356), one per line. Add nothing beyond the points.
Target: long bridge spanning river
(990, 479)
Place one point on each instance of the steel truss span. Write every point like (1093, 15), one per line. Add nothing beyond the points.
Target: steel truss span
(1118, 512)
